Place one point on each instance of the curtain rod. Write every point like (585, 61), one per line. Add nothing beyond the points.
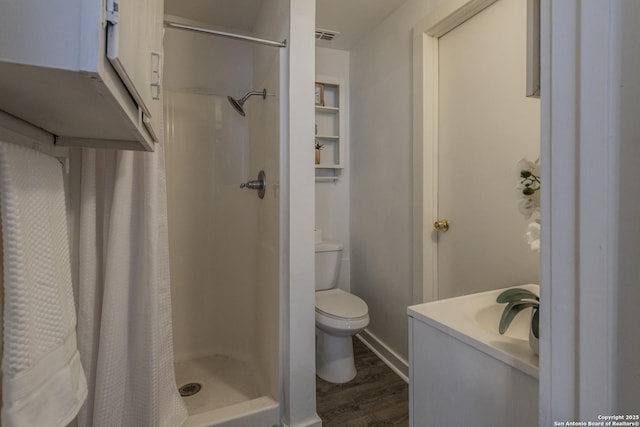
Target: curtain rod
(176, 25)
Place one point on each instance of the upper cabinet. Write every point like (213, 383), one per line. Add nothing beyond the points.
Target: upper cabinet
(86, 71)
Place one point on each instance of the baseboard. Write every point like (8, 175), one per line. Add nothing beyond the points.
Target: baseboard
(310, 422)
(390, 358)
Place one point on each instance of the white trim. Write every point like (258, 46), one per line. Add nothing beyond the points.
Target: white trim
(425, 137)
(598, 118)
(310, 422)
(424, 163)
(389, 357)
(579, 145)
(545, 353)
(450, 15)
(559, 121)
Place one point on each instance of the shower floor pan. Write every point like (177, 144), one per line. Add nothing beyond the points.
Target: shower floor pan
(231, 393)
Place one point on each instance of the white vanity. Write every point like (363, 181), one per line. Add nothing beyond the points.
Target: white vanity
(463, 372)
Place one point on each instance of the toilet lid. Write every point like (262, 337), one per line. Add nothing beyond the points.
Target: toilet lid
(338, 303)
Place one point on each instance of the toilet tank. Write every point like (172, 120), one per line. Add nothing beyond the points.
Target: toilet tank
(328, 257)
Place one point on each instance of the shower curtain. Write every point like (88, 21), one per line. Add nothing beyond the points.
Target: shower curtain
(122, 273)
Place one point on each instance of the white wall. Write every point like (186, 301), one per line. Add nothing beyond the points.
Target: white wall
(297, 219)
(209, 237)
(265, 137)
(200, 61)
(332, 197)
(381, 173)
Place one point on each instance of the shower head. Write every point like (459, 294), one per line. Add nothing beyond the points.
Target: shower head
(238, 104)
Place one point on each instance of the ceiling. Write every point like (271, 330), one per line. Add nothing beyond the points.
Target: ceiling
(351, 18)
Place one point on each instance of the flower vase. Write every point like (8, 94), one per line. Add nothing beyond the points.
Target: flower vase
(317, 156)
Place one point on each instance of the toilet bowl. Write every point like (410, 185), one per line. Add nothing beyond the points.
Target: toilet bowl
(339, 315)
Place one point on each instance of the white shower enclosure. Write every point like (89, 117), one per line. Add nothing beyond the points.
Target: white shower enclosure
(223, 240)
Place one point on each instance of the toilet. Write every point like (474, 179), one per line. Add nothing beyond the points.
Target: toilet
(339, 316)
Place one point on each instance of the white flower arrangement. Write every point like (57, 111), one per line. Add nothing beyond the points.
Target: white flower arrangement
(532, 236)
(529, 204)
(518, 299)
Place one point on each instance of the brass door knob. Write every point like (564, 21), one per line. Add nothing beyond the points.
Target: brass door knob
(441, 225)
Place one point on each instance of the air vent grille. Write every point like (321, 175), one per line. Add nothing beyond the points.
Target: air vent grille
(327, 35)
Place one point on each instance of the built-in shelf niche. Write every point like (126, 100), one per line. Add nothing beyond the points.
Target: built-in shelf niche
(329, 130)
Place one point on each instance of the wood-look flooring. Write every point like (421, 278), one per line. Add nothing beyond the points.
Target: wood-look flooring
(376, 397)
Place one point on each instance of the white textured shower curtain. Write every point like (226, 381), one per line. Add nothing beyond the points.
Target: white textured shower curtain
(124, 305)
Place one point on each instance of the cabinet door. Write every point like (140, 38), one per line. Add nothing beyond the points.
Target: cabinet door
(156, 9)
(129, 29)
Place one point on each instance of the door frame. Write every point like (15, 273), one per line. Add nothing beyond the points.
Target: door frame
(425, 138)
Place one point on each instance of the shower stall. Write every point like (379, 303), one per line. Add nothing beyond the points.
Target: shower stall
(223, 239)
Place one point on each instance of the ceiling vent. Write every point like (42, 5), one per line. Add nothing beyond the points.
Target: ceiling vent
(327, 35)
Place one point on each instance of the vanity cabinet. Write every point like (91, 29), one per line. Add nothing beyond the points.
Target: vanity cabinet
(329, 132)
(463, 372)
(88, 72)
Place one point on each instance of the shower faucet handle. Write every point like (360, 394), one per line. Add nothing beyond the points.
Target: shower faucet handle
(257, 184)
(253, 185)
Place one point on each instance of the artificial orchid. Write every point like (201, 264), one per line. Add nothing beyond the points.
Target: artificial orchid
(529, 203)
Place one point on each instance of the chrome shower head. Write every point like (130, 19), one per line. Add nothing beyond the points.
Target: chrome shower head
(238, 104)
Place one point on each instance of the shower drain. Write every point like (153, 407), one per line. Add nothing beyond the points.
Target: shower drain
(189, 389)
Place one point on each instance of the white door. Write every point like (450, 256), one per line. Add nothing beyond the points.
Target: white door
(486, 124)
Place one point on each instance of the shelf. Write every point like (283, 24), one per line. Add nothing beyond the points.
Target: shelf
(326, 178)
(333, 137)
(322, 109)
(321, 166)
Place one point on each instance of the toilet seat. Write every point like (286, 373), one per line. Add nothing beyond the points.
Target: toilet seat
(340, 305)
(339, 316)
